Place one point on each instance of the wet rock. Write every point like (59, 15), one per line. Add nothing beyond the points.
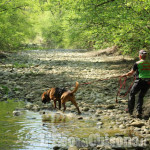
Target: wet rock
(98, 119)
(137, 129)
(137, 124)
(110, 127)
(110, 106)
(18, 87)
(98, 106)
(85, 109)
(92, 111)
(30, 97)
(79, 143)
(44, 107)
(100, 123)
(97, 115)
(119, 135)
(122, 126)
(73, 148)
(110, 101)
(29, 106)
(2, 55)
(103, 147)
(84, 148)
(98, 101)
(47, 117)
(56, 148)
(119, 123)
(98, 112)
(99, 126)
(80, 118)
(17, 92)
(35, 108)
(5, 97)
(16, 113)
(31, 118)
(148, 136)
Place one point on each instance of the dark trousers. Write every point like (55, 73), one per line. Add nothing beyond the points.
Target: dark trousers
(142, 87)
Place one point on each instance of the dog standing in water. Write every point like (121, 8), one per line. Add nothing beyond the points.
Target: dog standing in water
(62, 96)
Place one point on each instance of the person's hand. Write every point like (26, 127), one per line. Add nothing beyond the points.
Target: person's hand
(124, 75)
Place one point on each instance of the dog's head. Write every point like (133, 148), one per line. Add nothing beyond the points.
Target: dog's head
(46, 97)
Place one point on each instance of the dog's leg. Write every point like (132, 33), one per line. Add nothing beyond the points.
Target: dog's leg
(55, 104)
(59, 104)
(64, 107)
(76, 105)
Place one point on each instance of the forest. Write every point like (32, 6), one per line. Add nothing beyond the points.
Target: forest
(80, 24)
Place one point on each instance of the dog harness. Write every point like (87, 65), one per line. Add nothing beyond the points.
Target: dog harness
(59, 92)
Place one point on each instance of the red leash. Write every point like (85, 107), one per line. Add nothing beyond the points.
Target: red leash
(99, 80)
(123, 84)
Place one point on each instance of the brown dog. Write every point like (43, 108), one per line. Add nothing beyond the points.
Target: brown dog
(62, 96)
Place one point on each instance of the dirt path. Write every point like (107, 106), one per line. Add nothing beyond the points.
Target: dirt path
(26, 75)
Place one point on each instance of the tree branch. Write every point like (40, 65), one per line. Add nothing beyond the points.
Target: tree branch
(6, 9)
(105, 3)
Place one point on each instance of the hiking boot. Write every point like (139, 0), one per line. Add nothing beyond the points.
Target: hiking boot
(130, 112)
(139, 116)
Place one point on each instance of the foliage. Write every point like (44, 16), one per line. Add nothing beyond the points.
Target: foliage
(15, 23)
(90, 24)
(99, 24)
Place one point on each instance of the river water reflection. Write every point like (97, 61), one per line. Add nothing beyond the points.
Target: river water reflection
(38, 135)
(38, 131)
(29, 131)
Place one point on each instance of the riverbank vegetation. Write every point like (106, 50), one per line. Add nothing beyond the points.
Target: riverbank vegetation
(80, 24)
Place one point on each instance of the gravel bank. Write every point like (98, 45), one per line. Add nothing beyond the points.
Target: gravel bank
(26, 75)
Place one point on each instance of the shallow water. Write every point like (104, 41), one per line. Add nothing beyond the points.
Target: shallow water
(29, 131)
(36, 134)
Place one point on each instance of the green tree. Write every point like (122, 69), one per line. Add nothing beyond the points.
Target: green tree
(99, 24)
(92, 24)
(15, 23)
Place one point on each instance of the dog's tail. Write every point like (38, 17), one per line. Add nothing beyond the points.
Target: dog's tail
(76, 88)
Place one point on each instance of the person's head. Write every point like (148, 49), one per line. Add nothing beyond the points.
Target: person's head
(142, 54)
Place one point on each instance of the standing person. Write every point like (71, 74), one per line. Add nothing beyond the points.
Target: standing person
(141, 84)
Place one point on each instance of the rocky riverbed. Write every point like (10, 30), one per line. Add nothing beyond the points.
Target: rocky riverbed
(26, 75)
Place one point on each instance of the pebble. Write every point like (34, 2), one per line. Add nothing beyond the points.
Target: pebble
(80, 118)
(137, 124)
(85, 109)
(100, 123)
(73, 148)
(122, 126)
(16, 113)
